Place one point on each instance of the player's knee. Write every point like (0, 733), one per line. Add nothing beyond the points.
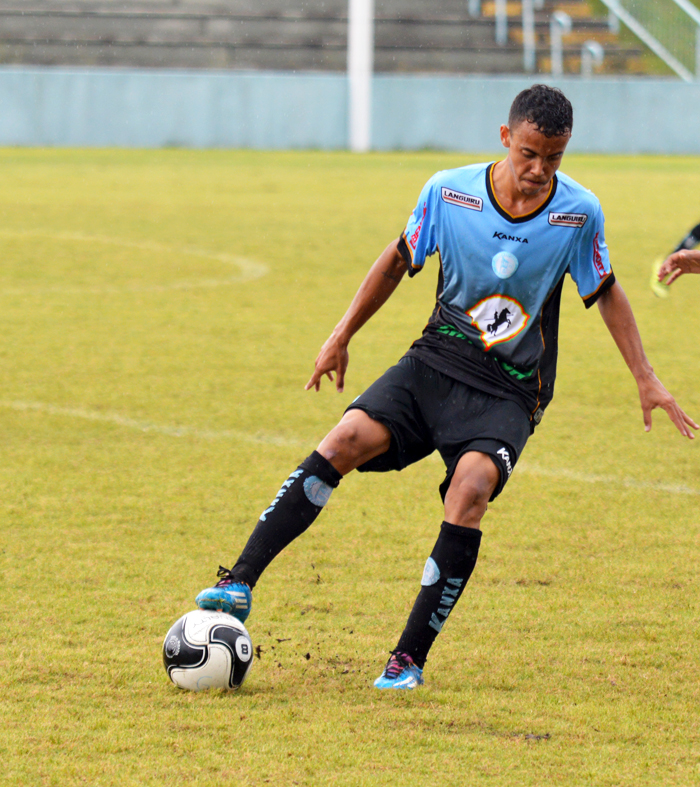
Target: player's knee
(470, 490)
(472, 496)
(345, 440)
(355, 438)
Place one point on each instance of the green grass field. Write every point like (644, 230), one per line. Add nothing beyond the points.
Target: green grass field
(161, 312)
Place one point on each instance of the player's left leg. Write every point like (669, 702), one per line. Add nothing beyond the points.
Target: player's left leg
(447, 570)
(301, 499)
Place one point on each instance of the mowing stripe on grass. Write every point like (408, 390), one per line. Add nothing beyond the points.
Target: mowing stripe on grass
(271, 439)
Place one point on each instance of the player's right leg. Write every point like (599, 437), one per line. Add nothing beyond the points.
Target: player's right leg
(354, 441)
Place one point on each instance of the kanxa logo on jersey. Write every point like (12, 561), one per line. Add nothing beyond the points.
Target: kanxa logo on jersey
(463, 200)
(413, 240)
(503, 236)
(499, 318)
(567, 219)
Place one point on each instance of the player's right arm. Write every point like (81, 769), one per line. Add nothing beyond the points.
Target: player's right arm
(677, 264)
(379, 283)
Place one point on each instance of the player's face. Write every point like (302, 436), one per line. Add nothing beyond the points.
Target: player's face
(533, 158)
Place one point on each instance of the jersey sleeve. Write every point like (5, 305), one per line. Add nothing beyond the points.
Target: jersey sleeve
(590, 263)
(419, 239)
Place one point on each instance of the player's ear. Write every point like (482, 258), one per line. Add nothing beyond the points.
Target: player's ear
(505, 136)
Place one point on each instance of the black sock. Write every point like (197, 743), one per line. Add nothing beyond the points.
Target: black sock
(290, 514)
(691, 240)
(446, 573)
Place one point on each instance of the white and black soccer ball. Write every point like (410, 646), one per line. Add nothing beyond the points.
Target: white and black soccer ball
(207, 650)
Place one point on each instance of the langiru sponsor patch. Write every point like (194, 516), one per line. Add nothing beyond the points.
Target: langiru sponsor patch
(463, 200)
(567, 219)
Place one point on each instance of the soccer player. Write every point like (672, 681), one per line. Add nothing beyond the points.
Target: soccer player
(689, 242)
(476, 384)
(678, 263)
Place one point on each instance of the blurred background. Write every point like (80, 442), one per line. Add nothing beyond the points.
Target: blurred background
(333, 74)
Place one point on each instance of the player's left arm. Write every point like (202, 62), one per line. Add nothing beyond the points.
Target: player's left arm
(617, 314)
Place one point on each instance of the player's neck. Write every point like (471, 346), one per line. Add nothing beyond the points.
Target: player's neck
(509, 195)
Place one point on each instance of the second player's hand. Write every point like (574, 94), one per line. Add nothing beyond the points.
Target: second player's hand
(333, 358)
(684, 261)
(653, 394)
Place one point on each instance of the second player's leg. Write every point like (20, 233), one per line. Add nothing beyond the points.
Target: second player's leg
(355, 440)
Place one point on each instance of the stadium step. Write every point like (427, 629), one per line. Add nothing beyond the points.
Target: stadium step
(410, 35)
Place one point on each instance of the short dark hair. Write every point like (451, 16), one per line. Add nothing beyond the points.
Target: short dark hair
(547, 107)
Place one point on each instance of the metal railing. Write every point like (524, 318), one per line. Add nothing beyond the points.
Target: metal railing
(529, 38)
(670, 28)
(592, 54)
(501, 12)
(559, 26)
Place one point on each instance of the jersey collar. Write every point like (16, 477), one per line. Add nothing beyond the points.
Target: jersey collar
(503, 212)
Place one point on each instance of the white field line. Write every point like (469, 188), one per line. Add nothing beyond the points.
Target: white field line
(248, 269)
(271, 439)
(148, 426)
(602, 480)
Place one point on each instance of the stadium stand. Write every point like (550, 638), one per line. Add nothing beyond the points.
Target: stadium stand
(299, 35)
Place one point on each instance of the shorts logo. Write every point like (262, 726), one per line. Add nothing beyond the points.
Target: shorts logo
(505, 456)
(504, 264)
(567, 219)
(499, 318)
(414, 238)
(597, 259)
(463, 200)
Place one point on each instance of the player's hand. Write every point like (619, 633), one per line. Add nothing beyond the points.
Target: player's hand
(652, 394)
(684, 261)
(333, 358)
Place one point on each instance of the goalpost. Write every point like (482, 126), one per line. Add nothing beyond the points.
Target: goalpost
(360, 68)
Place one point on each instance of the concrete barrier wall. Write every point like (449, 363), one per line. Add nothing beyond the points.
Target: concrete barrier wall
(153, 108)
(277, 110)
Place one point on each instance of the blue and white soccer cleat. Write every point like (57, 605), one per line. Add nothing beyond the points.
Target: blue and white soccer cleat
(228, 596)
(400, 673)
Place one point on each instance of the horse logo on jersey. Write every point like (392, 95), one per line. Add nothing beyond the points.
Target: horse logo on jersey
(499, 318)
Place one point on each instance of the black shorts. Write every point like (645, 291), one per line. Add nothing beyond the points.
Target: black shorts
(427, 410)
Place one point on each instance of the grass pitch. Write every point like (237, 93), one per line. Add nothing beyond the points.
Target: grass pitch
(161, 312)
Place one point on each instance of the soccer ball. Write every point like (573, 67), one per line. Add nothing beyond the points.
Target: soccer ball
(207, 650)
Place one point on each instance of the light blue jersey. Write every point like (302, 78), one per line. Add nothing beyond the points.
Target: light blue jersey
(500, 278)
